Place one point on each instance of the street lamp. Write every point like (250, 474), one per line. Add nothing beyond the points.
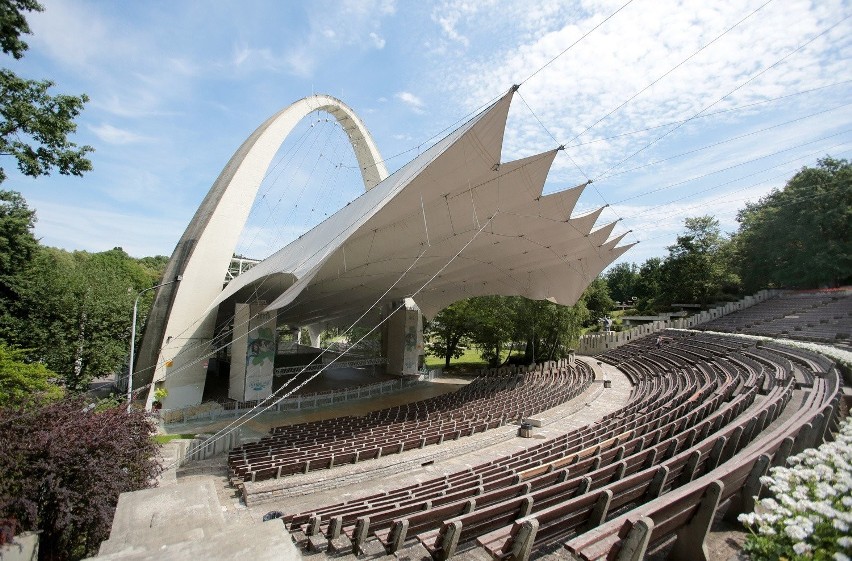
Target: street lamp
(133, 338)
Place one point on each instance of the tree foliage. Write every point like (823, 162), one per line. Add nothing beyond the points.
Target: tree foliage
(698, 269)
(79, 311)
(17, 247)
(13, 24)
(447, 330)
(22, 383)
(622, 281)
(799, 236)
(597, 300)
(34, 124)
(70, 310)
(494, 324)
(64, 466)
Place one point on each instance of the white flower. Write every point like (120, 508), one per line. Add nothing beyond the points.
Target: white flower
(801, 548)
(747, 518)
(796, 532)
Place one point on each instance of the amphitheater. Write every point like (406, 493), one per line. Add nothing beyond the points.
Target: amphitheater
(635, 449)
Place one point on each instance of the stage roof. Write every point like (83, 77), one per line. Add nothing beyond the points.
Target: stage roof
(454, 222)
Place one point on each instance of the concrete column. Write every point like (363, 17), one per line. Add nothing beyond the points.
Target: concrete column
(252, 353)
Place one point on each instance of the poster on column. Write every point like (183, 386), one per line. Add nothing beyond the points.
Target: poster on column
(413, 342)
(260, 360)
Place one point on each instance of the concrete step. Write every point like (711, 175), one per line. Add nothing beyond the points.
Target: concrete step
(268, 541)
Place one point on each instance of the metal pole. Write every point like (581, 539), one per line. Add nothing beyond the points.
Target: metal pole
(133, 338)
(132, 349)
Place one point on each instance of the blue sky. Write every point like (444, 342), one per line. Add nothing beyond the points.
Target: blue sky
(175, 88)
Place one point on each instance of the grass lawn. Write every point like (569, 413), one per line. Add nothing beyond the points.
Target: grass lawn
(163, 438)
(470, 360)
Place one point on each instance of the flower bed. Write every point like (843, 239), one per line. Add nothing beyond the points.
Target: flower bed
(810, 513)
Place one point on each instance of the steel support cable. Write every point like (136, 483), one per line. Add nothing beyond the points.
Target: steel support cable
(634, 96)
(475, 111)
(572, 45)
(290, 154)
(725, 197)
(707, 107)
(414, 214)
(711, 114)
(219, 434)
(797, 200)
(553, 137)
(236, 423)
(255, 294)
(732, 139)
(538, 70)
(204, 343)
(752, 160)
(678, 65)
(327, 130)
(714, 187)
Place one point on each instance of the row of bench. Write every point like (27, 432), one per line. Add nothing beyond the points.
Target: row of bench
(484, 404)
(696, 404)
(824, 317)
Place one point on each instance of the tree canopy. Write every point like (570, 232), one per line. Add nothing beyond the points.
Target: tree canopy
(77, 308)
(23, 383)
(698, 269)
(539, 330)
(35, 124)
(799, 236)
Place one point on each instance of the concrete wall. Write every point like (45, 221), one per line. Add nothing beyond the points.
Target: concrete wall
(597, 343)
(23, 547)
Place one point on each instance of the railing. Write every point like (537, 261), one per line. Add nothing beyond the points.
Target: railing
(355, 363)
(213, 410)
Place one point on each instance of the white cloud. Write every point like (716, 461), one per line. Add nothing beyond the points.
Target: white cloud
(115, 135)
(76, 34)
(411, 100)
(379, 42)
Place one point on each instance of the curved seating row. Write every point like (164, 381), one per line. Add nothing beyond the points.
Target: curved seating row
(697, 402)
(809, 316)
(484, 404)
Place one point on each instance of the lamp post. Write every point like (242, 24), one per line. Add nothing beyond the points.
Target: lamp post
(133, 338)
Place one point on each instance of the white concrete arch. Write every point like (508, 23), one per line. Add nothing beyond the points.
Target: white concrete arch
(204, 251)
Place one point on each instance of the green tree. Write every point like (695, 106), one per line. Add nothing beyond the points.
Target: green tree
(697, 270)
(446, 331)
(34, 124)
(597, 299)
(491, 320)
(621, 280)
(799, 236)
(18, 245)
(22, 383)
(80, 305)
(649, 284)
